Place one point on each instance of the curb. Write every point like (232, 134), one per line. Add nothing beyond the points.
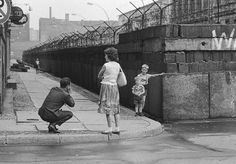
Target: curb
(59, 139)
(153, 128)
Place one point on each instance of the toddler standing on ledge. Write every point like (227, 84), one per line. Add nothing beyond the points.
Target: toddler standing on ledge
(144, 77)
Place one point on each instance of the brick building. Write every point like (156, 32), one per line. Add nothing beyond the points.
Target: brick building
(181, 12)
(204, 11)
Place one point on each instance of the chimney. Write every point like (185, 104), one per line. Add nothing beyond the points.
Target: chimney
(67, 17)
(50, 12)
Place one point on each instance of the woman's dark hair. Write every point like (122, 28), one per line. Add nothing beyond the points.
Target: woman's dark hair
(112, 53)
(64, 82)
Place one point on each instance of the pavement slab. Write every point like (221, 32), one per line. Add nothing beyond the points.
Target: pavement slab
(31, 116)
(64, 127)
(85, 126)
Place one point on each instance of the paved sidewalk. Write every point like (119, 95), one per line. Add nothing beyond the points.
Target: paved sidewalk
(85, 126)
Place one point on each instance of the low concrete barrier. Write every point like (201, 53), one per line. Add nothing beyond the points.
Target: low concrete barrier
(222, 94)
(185, 96)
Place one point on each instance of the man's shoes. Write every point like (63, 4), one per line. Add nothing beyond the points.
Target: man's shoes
(136, 114)
(52, 129)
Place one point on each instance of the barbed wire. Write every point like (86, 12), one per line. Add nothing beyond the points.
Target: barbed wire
(107, 34)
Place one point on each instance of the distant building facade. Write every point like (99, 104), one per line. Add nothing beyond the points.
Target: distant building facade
(52, 27)
(34, 35)
(181, 12)
(204, 11)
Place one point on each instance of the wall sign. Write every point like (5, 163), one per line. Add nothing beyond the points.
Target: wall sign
(5, 10)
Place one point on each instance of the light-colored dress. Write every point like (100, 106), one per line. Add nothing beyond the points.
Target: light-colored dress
(109, 98)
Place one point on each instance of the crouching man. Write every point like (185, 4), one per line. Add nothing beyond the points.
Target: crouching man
(51, 109)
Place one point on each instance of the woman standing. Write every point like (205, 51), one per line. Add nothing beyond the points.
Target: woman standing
(109, 94)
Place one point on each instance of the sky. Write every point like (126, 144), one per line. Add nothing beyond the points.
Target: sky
(78, 9)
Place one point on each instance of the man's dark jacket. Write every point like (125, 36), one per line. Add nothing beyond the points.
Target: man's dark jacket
(56, 98)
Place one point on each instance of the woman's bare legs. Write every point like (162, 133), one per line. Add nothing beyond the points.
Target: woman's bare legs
(117, 122)
(108, 116)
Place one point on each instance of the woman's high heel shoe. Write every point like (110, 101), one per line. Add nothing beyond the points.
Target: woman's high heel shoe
(116, 132)
(109, 131)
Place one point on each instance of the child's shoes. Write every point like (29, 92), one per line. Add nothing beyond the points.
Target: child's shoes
(141, 114)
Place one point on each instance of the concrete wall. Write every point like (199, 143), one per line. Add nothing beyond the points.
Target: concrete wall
(199, 95)
(203, 60)
(82, 66)
(196, 54)
(222, 94)
(185, 96)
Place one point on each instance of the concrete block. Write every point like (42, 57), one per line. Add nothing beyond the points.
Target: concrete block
(195, 44)
(172, 31)
(202, 67)
(195, 31)
(198, 56)
(183, 67)
(212, 66)
(221, 66)
(164, 31)
(185, 96)
(189, 57)
(172, 68)
(230, 66)
(204, 30)
(153, 45)
(193, 67)
(227, 56)
(151, 57)
(217, 56)
(11, 83)
(222, 94)
(2, 139)
(233, 56)
(128, 37)
(151, 32)
(129, 47)
(180, 57)
(207, 56)
(170, 57)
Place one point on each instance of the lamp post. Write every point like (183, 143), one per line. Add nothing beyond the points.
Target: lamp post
(77, 14)
(82, 20)
(94, 4)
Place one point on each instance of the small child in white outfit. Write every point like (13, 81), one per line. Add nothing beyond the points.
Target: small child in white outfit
(139, 91)
(144, 77)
